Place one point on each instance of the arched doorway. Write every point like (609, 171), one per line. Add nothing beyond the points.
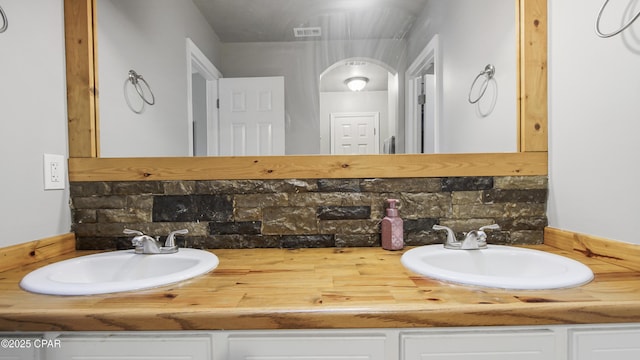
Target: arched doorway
(379, 96)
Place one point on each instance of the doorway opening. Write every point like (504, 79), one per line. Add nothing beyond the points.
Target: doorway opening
(202, 95)
(424, 101)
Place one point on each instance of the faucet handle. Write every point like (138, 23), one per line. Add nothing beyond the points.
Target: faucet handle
(490, 227)
(482, 236)
(451, 236)
(137, 239)
(170, 242)
(132, 232)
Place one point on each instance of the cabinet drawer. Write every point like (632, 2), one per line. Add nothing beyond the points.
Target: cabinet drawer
(132, 347)
(307, 346)
(479, 345)
(606, 344)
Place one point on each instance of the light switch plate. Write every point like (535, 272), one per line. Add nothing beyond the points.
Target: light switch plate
(54, 172)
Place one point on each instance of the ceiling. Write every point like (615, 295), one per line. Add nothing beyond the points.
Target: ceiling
(274, 20)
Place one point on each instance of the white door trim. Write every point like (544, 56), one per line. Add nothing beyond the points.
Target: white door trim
(197, 62)
(430, 54)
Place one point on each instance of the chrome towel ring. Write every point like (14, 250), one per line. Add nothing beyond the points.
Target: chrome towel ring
(488, 73)
(611, 34)
(5, 22)
(135, 79)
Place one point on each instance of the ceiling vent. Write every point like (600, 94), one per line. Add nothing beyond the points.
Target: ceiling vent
(355, 63)
(307, 32)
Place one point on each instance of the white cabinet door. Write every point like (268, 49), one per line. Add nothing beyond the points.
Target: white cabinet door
(22, 347)
(19, 353)
(605, 344)
(307, 347)
(479, 345)
(132, 347)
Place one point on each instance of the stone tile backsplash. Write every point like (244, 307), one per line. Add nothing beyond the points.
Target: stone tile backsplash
(306, 213)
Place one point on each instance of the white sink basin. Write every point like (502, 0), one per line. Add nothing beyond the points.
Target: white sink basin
(498, 266)
(118, 271)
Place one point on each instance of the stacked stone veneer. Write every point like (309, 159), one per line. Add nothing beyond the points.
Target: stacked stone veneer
(306, 213)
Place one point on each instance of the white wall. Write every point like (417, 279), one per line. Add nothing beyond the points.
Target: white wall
(32, 120)
(342, 102)
(467, 45)
(594, 113)
(139, 38)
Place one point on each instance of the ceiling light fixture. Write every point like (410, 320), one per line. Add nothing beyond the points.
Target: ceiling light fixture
(356, 83)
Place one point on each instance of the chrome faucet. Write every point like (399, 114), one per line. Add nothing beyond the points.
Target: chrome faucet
(145, 244)
(473, 240)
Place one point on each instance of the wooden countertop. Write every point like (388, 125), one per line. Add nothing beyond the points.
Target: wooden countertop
(319, 288)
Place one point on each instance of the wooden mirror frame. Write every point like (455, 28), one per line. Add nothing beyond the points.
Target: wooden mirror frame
(83, 125)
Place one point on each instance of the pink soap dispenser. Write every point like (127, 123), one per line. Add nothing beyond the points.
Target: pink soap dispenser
(392, 228)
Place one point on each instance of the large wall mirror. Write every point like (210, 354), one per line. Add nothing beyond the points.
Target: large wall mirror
(404, 48)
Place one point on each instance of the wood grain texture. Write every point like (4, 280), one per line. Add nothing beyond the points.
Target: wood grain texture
(614, 252)
(317, 289)
(304, 167)
(81, 87)
(533, 80)
(35, 251)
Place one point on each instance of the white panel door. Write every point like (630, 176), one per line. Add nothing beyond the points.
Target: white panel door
(355, 133)
(252, 116)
